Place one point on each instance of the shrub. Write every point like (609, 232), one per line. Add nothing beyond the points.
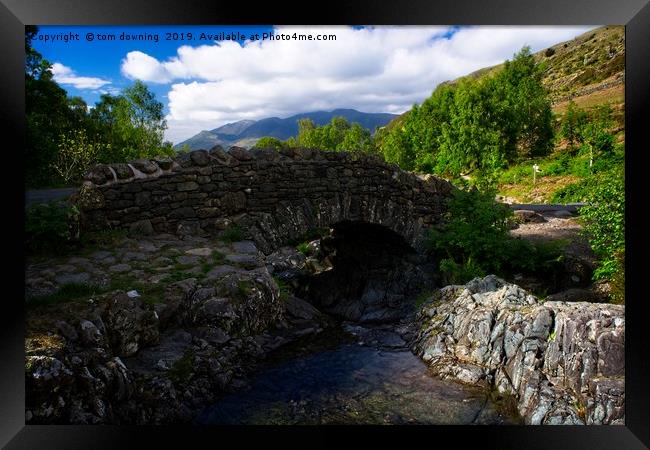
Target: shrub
(604, 221)
(51, 226)
(474, 240)
(549, 52)
(233, 233)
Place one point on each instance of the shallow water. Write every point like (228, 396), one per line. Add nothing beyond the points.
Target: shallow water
(352, 383)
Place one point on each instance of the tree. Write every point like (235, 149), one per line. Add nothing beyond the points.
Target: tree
(573, 120)
(132, 123)
(270, 142)
(595, 135)
(47, 112)
(76, 153)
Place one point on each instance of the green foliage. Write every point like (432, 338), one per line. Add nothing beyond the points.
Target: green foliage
(604, 220)
(64, 138)
(573, 120)
(76, 154)
(422, 298)
(476, 126)
(304, 248)
(283, 287)
(181, 371)
(474, 240)
(217, 257)
(50, 227)
(270, 142)
(67, 293)
(338, 135)
(232, 233)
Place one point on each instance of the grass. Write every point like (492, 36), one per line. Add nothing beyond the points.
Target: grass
(244, 288)
(304, 248)
(181, 370)
(217, 257)
(422, 298)
(233, 233)
(150, 293)
(67, 293)
(284, 288)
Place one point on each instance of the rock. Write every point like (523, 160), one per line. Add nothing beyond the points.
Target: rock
(247, 247)
(200, 157)
(562, 214)
(204, 251)
(99, 255)
(188, 259)
(285, 258)
(67, 330)
(129, 325)
(90, 334)
(119, 268)
(219, 271)
(245, 261)
(145, 166)
(73, 278)
(240, 153)
(99, 174)
(141, 228)
(526, 216)
(542, 353)
(123, 171)
(300, 308)
(575, 295)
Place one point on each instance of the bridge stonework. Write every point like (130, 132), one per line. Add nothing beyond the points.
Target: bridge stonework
(275, 196)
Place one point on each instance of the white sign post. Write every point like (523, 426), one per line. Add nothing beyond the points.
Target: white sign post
(535, 170)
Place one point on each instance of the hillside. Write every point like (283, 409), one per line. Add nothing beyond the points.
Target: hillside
(589, 69)
(246, 132)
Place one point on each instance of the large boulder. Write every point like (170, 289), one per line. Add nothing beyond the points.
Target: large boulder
(564, 362)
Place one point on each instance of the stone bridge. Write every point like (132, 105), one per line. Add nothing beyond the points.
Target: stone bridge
(275, 196)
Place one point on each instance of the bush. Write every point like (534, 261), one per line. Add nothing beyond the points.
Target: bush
(549, 52)
(604, 221)
(49, 227)
(474, 240)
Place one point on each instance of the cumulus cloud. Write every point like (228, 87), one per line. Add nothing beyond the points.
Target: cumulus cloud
(372, 69)
(65, 75)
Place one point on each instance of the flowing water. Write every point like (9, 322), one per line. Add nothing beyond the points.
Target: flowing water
(370, 378)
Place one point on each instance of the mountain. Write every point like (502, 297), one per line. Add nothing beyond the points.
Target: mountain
(246, 132)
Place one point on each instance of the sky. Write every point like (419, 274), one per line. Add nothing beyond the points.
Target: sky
(207, 76)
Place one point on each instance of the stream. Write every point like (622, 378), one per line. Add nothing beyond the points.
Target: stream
(351, 375)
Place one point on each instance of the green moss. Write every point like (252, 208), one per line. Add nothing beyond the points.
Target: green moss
(181, 371)
(284, 288)
(67, 293)
(422, 298)
(244, 288)
(217, 257)
(233, 233)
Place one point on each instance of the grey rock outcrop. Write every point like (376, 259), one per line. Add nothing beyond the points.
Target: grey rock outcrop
(563, 362)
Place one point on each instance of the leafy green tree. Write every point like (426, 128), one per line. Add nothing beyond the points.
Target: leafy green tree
(270, 142)
(596, 136)
(604, 219)
(132, 123)
(356, 139)
(47, 114)
(573, 120)
(76, 154)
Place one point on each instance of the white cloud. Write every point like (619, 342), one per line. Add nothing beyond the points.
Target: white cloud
(65, 75)
(377, 69)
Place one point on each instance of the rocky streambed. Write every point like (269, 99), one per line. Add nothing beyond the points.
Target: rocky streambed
(194, 329)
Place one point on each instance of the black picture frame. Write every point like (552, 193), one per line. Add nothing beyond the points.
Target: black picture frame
(14, 14)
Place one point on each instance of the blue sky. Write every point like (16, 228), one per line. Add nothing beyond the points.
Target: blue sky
(206, 83)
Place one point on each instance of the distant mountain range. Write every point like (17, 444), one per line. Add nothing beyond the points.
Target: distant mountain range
(246, 133)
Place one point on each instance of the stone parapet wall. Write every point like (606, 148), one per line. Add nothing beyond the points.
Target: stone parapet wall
(275, 196)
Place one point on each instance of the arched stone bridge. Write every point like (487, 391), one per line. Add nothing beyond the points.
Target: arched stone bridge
(276, 196)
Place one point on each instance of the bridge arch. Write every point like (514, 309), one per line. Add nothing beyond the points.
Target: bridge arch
(276, 196)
